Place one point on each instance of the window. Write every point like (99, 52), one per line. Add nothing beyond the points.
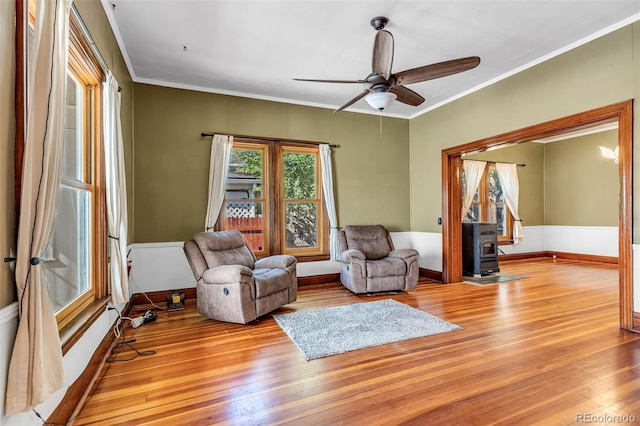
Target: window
(488, 204)
(274, 197)
(75, 258)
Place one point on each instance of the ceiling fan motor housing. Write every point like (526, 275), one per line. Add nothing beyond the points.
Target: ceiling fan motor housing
(379, 22)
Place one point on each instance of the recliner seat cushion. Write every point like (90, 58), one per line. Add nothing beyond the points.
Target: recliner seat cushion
(387, 267)
(225, 248)
(270, 280)
(372, 240)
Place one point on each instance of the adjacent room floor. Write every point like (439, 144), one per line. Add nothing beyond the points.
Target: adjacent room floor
(546, 349)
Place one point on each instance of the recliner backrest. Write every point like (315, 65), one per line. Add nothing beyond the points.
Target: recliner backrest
(373, 240)
(224, 248)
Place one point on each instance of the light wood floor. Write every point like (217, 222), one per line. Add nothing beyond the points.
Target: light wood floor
(543, 350)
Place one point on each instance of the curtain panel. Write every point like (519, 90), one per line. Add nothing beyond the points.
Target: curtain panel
(508, 175)
(218, 169)
(36, 369)
(329, 199)
(473, 171)
(116, 188)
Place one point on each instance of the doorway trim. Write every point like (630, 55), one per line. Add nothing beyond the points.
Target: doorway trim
(452, 203)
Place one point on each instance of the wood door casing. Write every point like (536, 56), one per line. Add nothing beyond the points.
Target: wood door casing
(621, 112)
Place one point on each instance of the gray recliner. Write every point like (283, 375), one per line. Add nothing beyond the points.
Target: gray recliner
(233, 286)
(370, 264)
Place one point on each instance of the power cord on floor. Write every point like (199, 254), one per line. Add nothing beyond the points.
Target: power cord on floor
(125, 343)
(153, 303)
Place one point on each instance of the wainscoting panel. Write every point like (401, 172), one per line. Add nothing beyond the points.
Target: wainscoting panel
(636, 278)
(596, 240)
(163, 266)
(429, 245)
(8, 328)
(159, 266)
(533, 241)
(322, 267)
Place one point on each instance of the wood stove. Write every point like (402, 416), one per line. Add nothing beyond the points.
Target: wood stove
(479, 248)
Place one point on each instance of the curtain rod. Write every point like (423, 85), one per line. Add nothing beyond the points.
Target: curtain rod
(501, 162)
(259, 138)
(92, 44)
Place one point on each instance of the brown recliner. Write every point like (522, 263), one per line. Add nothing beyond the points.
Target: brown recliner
(233, 286)
(370, 264)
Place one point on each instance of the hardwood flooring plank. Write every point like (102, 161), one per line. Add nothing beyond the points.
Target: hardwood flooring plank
(540, 350)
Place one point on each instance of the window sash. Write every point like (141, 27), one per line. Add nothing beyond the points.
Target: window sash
(294, 243)
(251, 214)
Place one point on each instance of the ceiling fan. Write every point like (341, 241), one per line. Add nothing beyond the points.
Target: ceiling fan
(382, 87)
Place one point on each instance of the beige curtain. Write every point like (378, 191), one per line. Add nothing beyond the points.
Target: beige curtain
(218, 167)
(508, 175)
(35, 370)
(116, 188)
(329, 200)
(473, 171)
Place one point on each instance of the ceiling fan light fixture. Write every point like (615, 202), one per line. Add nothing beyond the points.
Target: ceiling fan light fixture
(380, 100)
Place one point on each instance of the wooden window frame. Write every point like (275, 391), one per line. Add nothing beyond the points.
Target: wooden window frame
(274, 203)
(85, 66)
(282, 149)
(485, 205)
(264, 199)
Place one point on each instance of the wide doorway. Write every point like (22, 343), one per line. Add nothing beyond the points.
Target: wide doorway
(620, 114)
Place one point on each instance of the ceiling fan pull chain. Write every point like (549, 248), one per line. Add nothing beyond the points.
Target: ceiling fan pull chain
(380, 124)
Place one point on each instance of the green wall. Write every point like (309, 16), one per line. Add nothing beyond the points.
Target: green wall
(171, 160)
(7, 151)
(581, 186)
(599, 73)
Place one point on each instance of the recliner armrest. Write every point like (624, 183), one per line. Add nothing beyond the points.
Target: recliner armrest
(227, 274)
(351, 255)
(405, 253)
(282, 261)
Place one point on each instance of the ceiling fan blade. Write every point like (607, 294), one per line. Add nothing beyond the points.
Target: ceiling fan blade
(330, 81)
(407, 96)
(438, 70)
(382, 54)
(353, 101)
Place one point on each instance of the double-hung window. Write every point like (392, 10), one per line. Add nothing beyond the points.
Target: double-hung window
(75, 258)
(274, 197)
(489, 205)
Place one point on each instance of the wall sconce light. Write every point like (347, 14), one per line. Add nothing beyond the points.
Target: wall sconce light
(609, 154)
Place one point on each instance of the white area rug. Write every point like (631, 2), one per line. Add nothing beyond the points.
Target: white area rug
(328, 331)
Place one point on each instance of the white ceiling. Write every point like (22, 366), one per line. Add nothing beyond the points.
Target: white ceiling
(255, 48)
